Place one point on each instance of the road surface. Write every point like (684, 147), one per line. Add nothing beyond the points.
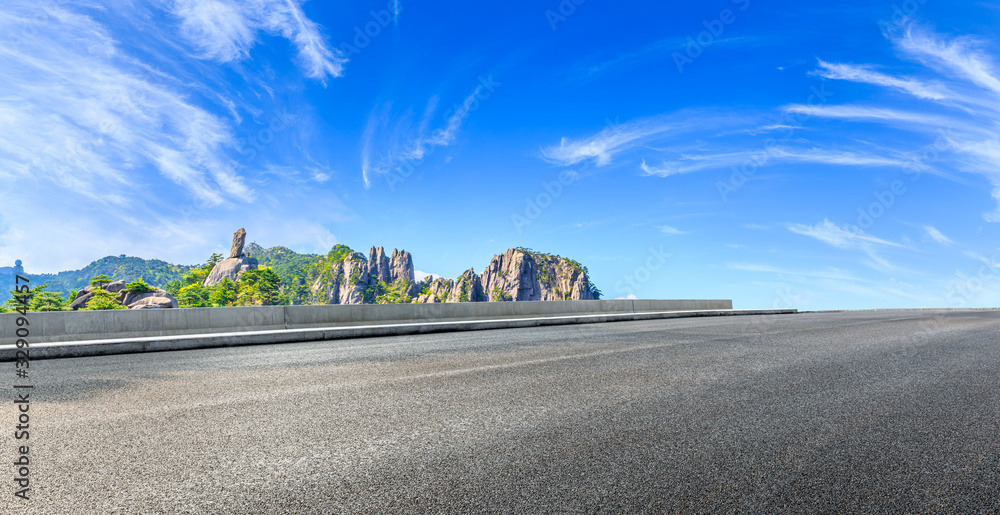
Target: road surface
(894, 411)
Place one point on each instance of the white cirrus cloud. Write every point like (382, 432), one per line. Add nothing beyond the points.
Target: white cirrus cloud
(965, 56)
(666, 229)
(942, 121)
(868, 75)
(394, 144)
(77, 117)
(936, 235)
(226, 30)
(138, 140)
(846, 238)
(968, 81)
(602, 146)
(618, 138)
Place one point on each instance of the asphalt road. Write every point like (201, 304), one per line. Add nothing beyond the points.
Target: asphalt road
(826, 412)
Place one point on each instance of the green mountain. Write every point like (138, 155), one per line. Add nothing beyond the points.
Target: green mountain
(285, 262)
(346, 277)
(296, 270)
(154, 271)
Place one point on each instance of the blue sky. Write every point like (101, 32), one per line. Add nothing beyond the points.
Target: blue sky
(821, 156)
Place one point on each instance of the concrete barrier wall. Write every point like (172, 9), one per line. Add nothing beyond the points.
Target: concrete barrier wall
(64, 326)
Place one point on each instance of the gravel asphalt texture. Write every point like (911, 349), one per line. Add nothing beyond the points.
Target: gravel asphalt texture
(853, 412)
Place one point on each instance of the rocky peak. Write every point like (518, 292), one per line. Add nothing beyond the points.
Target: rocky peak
(401, 266)
(378, 265)
(239, 239)
(237, 263)
(523, 275)
(390, 269)
(346, 277)
(467, 288)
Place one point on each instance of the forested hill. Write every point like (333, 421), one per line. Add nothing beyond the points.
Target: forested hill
(291, 266)
(344, 276)
(285, 262)
(153, 271)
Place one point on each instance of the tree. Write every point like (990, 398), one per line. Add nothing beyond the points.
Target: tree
(396, 293)
(173, 287)
(100, 280)
(223, 294)
(212, 261)
(139, 286)
(373, 292)
(595, 291)
(260, 287)
(193, 296)
(101, 300)
(37, 299)
(17, 300)
(296, 290)
(196, 276)
(47, 300)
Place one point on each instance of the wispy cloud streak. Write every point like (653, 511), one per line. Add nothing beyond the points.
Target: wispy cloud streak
(226, 30)
(867, 75)
(388, 145)
(843, 238)
(75, 115)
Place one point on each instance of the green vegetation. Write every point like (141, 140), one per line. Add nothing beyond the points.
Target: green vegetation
(463, 292)
(355, 276)
(222, 294)
(158, 273)
(193, 296)
(102, 299)
(373, 292)
(38, 300)
(194, 276)
(339, 252)
(296, 290)
(261, 287)
(139, 286)
(296, 270)
(47, 300)
(258, 288)
(100, 280)
(397, 293)
(498, 295)
(310, 269)
(284, 277)
(212, 261)
(545, 272)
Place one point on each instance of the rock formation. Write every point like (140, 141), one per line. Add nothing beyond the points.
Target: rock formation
(84, 295)
(152, 300)
(346, 276)
(237, 263)
(80, 301)
(239, 239)
(378, 265)
(516, 275)
(521, 275)
(467, 288)
(131, 300)
(343, 280)
(115, 287)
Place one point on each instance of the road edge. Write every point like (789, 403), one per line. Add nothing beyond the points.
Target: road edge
(107, 347)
